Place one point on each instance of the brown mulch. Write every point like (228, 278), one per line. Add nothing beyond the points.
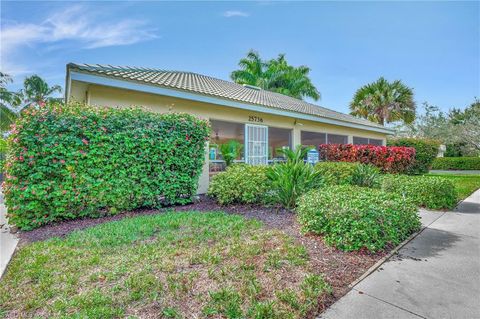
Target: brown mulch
(338, 267)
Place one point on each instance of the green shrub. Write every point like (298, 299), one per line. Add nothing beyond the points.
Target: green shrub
(230, 151)
(366, 176)
(457, 163)
(425, 191)
(336, 173)
(426, 151)
(353, 218)
(3, 153)
(293, 178)
(70, 161)
(240, 183)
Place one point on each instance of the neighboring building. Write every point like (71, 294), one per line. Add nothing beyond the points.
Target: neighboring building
(263, 121)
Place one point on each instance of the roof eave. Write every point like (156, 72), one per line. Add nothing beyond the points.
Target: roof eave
(89, 77)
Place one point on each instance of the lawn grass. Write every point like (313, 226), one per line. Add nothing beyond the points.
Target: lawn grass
(172, 265)
(465, 184)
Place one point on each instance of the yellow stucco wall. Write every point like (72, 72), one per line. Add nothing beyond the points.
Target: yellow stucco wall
(107, 96)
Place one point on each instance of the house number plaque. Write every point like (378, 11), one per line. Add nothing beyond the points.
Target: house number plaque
(255, 119)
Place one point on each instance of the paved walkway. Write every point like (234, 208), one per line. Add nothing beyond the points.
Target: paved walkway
(436, 275)
(8, 241)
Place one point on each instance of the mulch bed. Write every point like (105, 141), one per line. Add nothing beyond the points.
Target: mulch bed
(339, 268)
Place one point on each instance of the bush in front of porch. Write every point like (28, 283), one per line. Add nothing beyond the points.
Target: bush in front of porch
(71, 161)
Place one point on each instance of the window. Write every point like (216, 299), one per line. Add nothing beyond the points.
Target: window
(278, 138)
(375, 142)
(222, 132)
(364, 141)
(360, 140)
(312, 139)
(337, 139)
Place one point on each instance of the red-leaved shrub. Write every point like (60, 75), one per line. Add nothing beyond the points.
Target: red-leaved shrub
(390, 159)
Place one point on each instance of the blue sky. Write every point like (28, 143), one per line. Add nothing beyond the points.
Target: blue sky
(433, 47)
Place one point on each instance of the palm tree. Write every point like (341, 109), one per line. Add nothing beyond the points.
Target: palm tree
(7, 98)
(37, 91)
(275, 75)
(384, 102)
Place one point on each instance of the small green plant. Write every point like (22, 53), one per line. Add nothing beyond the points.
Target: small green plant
(425, 191)
(366, 176)
(354, 218)
(336, 173)
(230, 151)
(294, 177)
(240, 183)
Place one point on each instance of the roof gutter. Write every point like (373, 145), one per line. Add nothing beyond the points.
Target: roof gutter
(140, 87)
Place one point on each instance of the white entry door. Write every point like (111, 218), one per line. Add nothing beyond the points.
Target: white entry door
(256, 144)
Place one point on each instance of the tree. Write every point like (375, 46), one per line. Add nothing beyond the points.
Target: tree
(7, 99)
(384, 102)
(459, 130)
(275, 75)
(37, 91)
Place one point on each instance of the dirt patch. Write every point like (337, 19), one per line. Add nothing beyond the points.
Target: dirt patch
(338, 267)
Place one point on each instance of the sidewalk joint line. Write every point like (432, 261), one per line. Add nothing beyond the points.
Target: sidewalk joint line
(389, 303)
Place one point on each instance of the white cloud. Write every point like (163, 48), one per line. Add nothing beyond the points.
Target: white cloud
(75, 23)
(235, 13)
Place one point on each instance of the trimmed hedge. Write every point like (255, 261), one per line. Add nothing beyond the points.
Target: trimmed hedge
(425, 191)
(388, 159)
(354, 218)
(457, 163)
(336, 173)
(426, 151)
(240, 183)
(73, 161)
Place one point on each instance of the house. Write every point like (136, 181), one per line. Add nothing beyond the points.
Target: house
(262, 121)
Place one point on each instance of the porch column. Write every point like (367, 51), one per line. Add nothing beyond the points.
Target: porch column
(296, 136)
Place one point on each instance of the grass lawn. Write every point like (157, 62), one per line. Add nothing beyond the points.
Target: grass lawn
(465, 184)
(172, 265)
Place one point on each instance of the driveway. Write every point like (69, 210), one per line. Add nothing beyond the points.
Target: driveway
(436, 275)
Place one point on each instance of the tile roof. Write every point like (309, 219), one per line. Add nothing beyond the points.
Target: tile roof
(206, 85)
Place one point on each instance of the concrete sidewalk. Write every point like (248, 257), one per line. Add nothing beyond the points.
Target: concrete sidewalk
(436, 275)
(8, 241)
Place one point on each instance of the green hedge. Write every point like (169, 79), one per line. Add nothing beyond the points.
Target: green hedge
(3, 153)
(425, 191)
(426, 152)
(353, 218)
(337, 173)
(76, 161)
(240, 183)
(457, 163)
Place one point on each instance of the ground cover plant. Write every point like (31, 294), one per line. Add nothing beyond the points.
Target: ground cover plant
(71, 161)
(464, 184)
(425, 191)
(353, 218)
(456, 163)
(389, 159)
(173, 265)
(426, 151)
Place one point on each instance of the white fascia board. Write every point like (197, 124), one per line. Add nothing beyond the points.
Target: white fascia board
(134, 86)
